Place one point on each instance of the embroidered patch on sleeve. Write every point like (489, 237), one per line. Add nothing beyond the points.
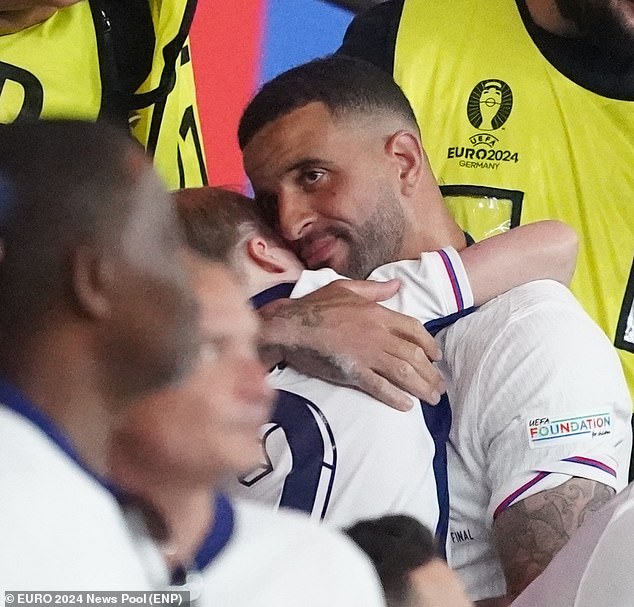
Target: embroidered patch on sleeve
(551, 431)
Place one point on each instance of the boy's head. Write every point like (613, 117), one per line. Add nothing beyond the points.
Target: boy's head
(227, 227)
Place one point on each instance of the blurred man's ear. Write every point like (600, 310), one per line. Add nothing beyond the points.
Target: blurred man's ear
(92, 278)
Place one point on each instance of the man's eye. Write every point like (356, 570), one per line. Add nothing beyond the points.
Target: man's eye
(311, 177)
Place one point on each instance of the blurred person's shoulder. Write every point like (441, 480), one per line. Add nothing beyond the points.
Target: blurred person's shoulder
(285, 557)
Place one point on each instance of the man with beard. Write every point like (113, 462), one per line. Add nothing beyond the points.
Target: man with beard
(334, 156)
(337, 453)
(559, 144)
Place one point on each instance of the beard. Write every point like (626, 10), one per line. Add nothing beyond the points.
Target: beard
(378, 240)
(605, 23)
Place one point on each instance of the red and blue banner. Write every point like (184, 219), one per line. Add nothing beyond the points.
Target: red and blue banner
(239, 44)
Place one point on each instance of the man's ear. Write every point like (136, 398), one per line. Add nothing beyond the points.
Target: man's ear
(405, 148)
(266, 255)
(92, 279)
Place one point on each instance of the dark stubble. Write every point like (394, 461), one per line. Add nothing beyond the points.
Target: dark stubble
(378, 240)
(602, 24)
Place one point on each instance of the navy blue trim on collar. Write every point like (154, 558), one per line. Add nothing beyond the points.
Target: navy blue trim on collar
(281, 291)
(437, 324)
(15, 400)
(219, 534)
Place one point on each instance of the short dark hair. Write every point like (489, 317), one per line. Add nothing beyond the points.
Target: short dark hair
(343, 84)
(396, 545)
(62, 184)
(217, 220)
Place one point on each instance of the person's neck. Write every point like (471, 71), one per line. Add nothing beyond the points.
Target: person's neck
(189, 515)
(18, 20)
(546, 15)
(430, 226)
(187, 508)
(62, 381)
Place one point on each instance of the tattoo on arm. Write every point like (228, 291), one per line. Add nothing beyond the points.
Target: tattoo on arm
(311, 317)
(530, 533)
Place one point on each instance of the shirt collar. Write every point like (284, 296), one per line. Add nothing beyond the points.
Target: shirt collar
(281, 291)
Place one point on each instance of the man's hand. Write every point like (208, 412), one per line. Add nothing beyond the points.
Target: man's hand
(339, 334)
(531, 532)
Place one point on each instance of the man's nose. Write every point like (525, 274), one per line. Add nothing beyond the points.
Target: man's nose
(295, 215)
(254, 384)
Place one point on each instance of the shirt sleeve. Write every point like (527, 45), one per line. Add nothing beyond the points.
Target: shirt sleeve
(372, 35)
(555, 402)
(433, 286)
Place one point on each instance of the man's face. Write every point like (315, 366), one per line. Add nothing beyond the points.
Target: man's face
(607, 23)
(150, 334)
(330, 188)
(208, 426)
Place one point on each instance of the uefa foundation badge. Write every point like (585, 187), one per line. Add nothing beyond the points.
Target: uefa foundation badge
(550, 431)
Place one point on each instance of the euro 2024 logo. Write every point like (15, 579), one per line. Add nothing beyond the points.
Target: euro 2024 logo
(488, 108)
(489, 105)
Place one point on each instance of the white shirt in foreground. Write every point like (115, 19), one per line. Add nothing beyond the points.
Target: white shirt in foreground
(255, 557)
(538, 396)
(61, 529)
(595, 568)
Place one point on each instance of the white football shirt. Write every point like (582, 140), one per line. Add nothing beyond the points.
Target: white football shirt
(254, 557)
(61, 528)
(339, 454)
(537, 396)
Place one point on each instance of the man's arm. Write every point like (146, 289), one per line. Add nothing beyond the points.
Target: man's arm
(548, 404)
(530, 533)
(339, 334)
(545, 249)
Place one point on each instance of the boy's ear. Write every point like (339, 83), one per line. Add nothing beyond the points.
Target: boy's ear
(265, 255)
(405, 148)
(92, 278)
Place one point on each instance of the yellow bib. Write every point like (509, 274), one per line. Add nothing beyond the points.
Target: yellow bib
(53, 70)
(42, 75)
(512, 140)
(170, 129)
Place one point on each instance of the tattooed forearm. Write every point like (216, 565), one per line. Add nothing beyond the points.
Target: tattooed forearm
(531, 532)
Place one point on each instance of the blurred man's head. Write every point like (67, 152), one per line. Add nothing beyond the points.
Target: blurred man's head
(194, 434)
(91, 246)
(404, 555)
